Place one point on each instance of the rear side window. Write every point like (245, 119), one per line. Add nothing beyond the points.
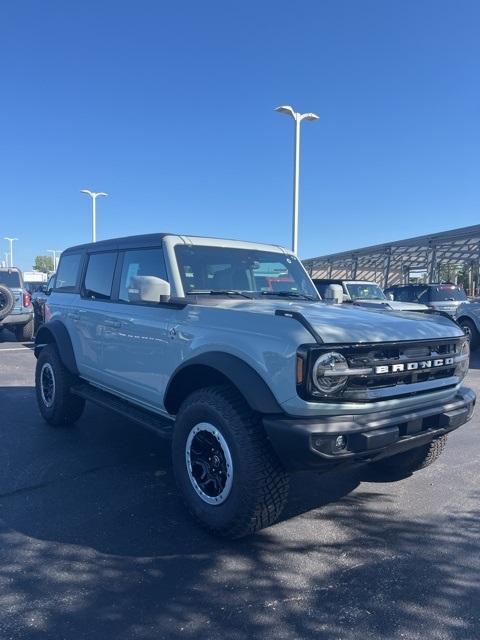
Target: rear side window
(68, 272)
(10, 278)
(99, 275)
(140, 262)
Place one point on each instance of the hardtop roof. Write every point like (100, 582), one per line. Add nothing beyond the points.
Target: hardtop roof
(153, 239)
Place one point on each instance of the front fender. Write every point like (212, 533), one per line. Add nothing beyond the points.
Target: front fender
(241, 375)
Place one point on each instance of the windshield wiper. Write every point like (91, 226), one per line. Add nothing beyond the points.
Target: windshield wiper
(289, 294)
(218, 292)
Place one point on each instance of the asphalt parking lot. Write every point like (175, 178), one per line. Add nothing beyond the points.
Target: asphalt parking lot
(95, 544)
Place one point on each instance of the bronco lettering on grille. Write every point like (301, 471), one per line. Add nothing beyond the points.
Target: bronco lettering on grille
(413, 366)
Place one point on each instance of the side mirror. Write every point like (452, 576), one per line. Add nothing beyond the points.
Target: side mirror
(148, 289)
(333, 294)
(390, 296)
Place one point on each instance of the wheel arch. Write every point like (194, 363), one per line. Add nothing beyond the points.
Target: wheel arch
(465, 317)
(55, 332)
(215, 368)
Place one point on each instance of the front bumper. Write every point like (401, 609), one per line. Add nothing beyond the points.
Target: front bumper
(312, 443)
(17, 318)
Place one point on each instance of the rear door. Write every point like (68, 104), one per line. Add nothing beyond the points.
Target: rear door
(91, 313)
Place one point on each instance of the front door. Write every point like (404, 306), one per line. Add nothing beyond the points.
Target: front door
(136, 345)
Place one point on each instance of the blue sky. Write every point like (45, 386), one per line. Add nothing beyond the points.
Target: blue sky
(169, 108)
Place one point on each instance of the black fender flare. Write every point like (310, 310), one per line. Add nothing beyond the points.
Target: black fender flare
(56, 332)
(240, 374)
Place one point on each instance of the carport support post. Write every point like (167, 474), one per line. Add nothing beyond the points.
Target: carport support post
(433, 263)
(354, 268)
(386, 273)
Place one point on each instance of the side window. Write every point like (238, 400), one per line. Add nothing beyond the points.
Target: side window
(422, 294)
(401, 294)
(139, 264)
(68, 271)
(99, 276)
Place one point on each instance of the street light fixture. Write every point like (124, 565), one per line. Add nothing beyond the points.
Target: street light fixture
(94, 197)
(11, 240)
(298, 117)
(55, 260)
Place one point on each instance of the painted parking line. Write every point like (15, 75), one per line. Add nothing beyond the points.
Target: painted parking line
(16, 349)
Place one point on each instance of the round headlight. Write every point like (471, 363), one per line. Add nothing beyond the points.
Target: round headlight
(327, 372)
(464, 360)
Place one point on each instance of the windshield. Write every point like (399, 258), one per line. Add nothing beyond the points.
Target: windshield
(205, 269)
(444, 292)
(365, 291)
(10, 279)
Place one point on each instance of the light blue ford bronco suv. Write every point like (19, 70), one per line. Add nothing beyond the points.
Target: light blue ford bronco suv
(226, 348)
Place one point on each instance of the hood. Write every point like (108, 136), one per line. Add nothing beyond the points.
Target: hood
(347, 323)
(396, 305)
(448, 306)
(343, 323)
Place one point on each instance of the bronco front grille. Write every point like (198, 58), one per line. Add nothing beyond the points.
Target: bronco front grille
(387, 356)
(397, 368)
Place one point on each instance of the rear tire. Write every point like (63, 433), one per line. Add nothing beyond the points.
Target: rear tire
(24, 333)
(242, 487)
(7, 301)
(57, 404)
(471, 331)
(403, 464)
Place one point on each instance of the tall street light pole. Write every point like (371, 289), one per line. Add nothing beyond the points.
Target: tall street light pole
(94, 197)
(298, 117)
(11, 240)
(55, 259)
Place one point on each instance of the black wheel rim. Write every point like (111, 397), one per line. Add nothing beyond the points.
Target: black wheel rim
(209, 463)
(467, 330)
(47, 384)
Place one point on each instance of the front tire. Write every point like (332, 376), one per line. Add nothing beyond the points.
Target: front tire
(53, 382)
(228, 475)
(404, 464)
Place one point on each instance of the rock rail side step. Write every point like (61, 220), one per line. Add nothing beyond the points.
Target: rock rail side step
(162, 426)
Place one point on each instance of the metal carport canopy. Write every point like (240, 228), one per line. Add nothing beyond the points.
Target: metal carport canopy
(390, 263)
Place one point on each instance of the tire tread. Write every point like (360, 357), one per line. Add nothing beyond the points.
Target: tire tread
(413, 460)
(266, 491)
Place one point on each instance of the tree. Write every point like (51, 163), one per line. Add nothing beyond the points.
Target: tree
(43, 264)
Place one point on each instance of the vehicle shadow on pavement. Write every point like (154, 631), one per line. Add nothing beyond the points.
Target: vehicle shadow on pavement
(94, 544)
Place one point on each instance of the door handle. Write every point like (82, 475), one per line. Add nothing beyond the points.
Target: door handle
(115, 324)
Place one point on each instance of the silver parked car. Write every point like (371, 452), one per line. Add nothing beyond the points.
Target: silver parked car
(225, 347)
(366, 294)
(468, 317)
